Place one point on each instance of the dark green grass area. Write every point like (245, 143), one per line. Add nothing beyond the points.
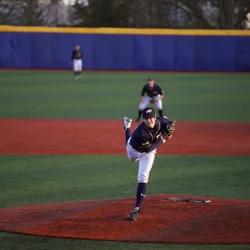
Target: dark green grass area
(99, 95)
(50, 179)
(20, 242)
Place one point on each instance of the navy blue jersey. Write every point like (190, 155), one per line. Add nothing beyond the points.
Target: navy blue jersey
(145, 139)
(151, 92)
(76, 54)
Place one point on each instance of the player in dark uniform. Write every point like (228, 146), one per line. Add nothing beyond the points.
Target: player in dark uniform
(154, 94)
(142, 145)
(76, 59)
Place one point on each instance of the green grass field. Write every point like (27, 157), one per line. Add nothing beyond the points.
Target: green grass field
(50, 179)
(203, 97)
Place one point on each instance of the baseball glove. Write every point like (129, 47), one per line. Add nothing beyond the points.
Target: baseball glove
(155, 99)
(169, 130)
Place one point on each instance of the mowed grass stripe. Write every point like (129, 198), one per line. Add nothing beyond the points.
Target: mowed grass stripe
(51, 179)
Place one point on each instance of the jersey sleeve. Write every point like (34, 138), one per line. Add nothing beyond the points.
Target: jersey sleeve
(147, 146)
(160, 91)
(144, 90)
(163, 123)
(155, 145)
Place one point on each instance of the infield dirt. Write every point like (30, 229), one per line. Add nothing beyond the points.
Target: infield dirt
(50, 136)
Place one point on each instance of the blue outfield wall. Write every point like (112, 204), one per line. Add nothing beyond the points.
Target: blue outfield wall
(126, 51)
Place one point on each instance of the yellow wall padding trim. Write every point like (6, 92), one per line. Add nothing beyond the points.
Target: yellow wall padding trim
(128, 31)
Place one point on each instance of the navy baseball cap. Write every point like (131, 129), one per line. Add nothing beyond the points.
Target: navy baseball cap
(150, 78)
(148, 113)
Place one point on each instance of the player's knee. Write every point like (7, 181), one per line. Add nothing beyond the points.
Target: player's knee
(142, 179)
(131, 158)
(142, 106)
(158, 105)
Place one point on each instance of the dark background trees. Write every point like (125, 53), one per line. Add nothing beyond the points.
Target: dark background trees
(194, 14)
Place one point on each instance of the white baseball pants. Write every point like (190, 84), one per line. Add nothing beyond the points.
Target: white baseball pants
(77, 65)
(147, 101)
(146, 161)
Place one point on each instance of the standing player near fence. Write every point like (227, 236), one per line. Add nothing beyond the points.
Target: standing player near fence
(142, 145)
(154, 94)
(76, 59)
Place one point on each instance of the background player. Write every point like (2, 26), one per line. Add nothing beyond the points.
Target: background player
(154, 94)
(76, 58)
(141, 146)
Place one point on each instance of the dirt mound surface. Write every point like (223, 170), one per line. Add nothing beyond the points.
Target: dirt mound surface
(224, 221)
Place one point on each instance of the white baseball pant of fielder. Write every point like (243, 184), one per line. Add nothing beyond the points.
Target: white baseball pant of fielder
(77, 65)
(146, 161)
(147, 101)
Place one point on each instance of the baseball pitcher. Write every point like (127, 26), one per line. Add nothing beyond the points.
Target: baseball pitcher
(154, 94)
(142, 145)
(76, 59)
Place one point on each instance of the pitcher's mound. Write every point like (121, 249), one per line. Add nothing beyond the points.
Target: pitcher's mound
(161, 220)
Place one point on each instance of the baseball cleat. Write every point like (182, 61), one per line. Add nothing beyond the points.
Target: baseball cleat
(127, 122)
(134, 214)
